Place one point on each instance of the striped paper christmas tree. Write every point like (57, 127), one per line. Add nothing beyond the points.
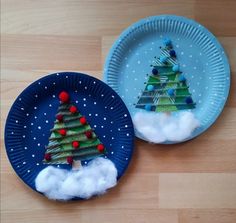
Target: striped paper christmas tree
(72, 138)
(166, 89)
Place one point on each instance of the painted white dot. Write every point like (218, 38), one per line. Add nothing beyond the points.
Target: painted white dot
(126, 158)
(95, 126)
(84, 99)
(57, 74)
(27, 114)
(76, 102)
(45, 87)
(23, 136)
(24, 163)
(102, 126)
(25, 147)
(104, 118)
(28, 171)
(17, 121)
(182, 53)
(85, 87)
(33, 155)
(22, 109)
(38, 144)
(35, 117)
(94, 82)
(112, 152)
(35, 108)
(104, 136)
(102, 95)
(54, 83)
(112, 122)
(112, 138)
(96, 114)
(39, 127)
(95, 102)
(126, 126)
(66, 76)
(12, 149)
(127, 65)
(50, 105)
(25, 126)
(139, 62)
(125, 115)
(37, 164)
(80, 82)
(53, 95)
(127, 134)
(122, 147)
(19, 99)
(34, 138)
(118, 129)
(90, 114)
(46, 121)
(39, 83)
(111, 108)
(84, 105)
(45, 113)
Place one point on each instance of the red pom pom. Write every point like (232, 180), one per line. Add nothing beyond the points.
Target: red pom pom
(73, 109)
(59, 118)
(64, 97)
(89, 134)
(62, 132)
(83, 120)
(75, 144)
(100, 148)
(69, 159)
(47, 156)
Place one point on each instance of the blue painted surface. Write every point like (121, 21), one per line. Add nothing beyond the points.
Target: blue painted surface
(33, 113)
(201, 59)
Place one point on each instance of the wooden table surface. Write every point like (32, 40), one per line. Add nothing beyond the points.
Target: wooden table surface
(192, 182)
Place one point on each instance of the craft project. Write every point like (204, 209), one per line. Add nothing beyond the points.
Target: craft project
(72, 138)
(166, 89)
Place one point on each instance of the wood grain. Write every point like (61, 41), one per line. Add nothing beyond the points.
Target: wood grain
(192, 182)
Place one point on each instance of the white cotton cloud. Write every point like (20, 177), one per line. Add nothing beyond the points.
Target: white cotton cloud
(94, 179)
(161, 127)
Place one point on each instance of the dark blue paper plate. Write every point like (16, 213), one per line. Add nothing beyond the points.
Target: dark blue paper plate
(33, 113)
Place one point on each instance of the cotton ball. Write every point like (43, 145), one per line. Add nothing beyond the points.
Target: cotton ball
(161, 127)
(49, 178)
(94, 179)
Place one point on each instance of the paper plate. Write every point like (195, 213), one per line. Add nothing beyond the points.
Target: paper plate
(33, 113)
(200, 56)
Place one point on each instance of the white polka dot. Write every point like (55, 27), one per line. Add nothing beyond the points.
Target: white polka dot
(45, 87)
(24, 163)
(95, 102)
(127, 134)
(38, 144)
(23, 136)
(39, 127)
(46, 121)
(50, 105)
(53, 95)
(84, 99)
(33, 155)
(96, 114)
(37, 164)
(25, 126)
(25, 148)
(84, 105)
(104, 118)
(34, 138)
(35, 108)
(45, 113)
(28, 171)
(125, 115)
(27, 114)
(17, 121)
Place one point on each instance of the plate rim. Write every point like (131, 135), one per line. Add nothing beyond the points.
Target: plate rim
(193, 23)
(43, 78)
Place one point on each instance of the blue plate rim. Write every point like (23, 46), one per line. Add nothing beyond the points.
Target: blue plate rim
(140, 22)
(42, 79)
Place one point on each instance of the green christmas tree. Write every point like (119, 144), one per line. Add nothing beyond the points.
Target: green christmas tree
(166, 89)
(72, 138)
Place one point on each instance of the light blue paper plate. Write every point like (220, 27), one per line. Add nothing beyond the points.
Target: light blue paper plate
(201, 57)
